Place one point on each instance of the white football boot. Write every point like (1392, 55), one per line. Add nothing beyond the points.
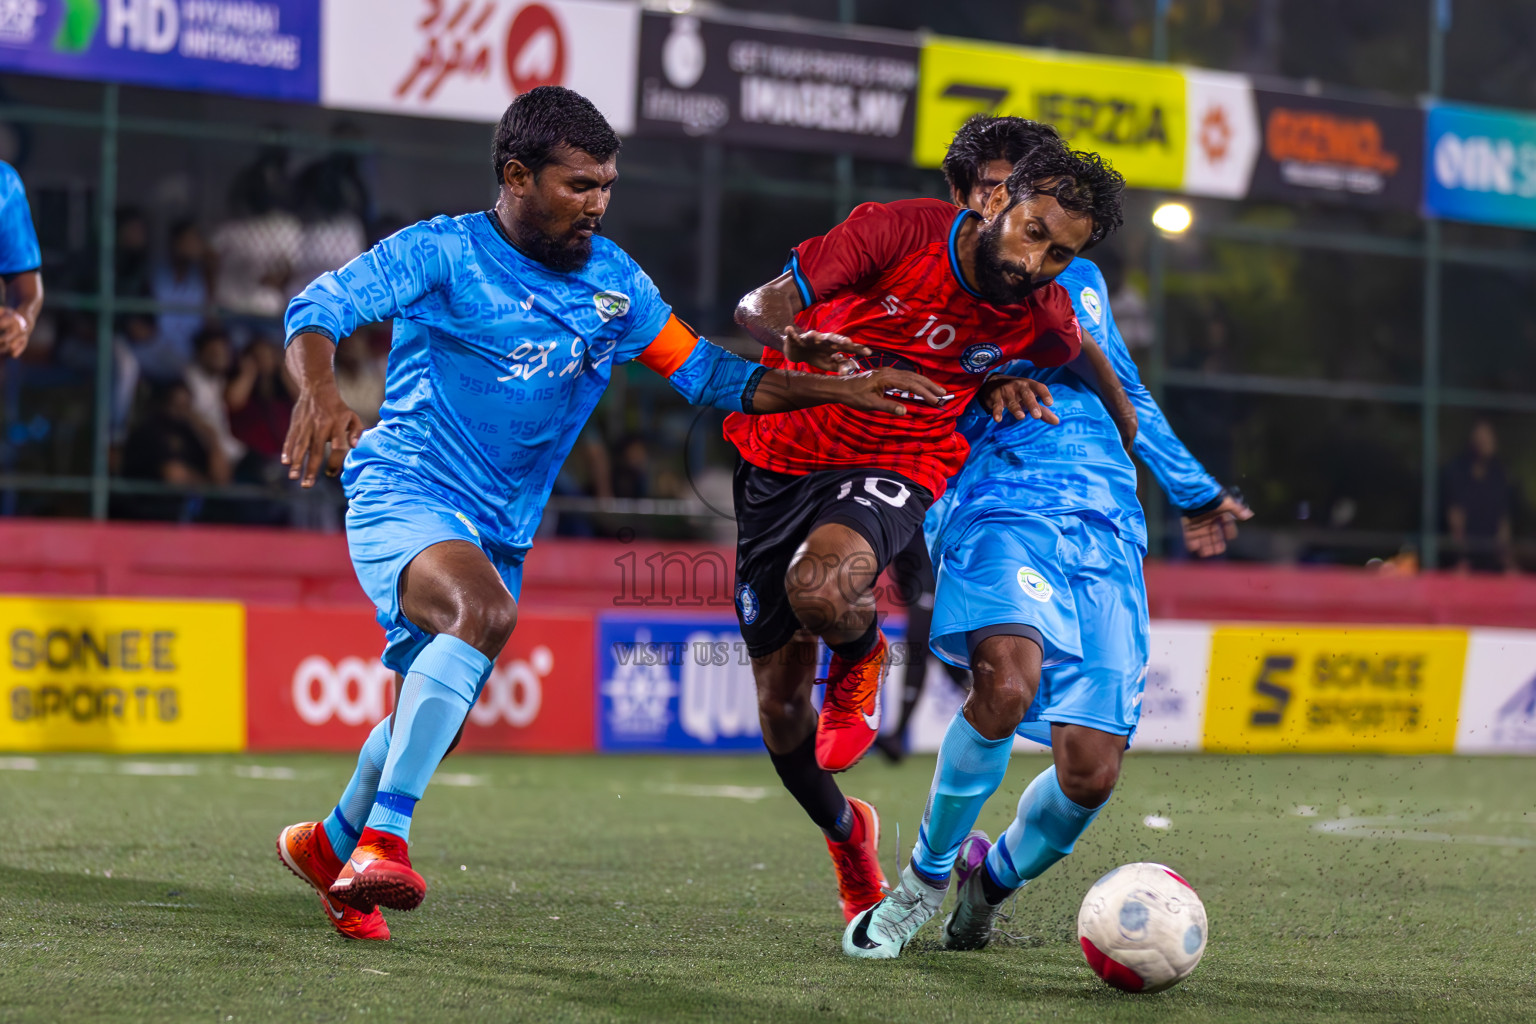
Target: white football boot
(882, 931)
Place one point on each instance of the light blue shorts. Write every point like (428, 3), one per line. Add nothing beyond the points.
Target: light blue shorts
(1076, 581)
(387, 527)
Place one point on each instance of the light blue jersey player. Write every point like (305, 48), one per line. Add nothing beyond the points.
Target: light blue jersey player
(20, 265)
(1038, 545)
(508, 324)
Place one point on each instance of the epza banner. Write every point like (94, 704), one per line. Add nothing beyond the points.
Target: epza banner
(467, 59)
(1131, 112)
(1480, 165)
(316, 683)
(766, 87)
(265, 49)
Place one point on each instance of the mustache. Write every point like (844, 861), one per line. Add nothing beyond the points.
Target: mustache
(594, 225)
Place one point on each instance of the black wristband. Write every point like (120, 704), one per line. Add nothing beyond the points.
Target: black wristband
(750, 390)
(1209, 506)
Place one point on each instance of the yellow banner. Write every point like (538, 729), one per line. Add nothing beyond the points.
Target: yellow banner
(1278, 688)
(122, 675)
(1130, 112)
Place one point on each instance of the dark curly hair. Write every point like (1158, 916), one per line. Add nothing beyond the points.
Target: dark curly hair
(542, 120)
(1081, 182)
(982, 139)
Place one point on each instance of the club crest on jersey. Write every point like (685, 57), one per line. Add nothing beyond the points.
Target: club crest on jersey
(746, 603)
(1091, 304)
(610, 304)
(978, 358)
(1034, 585)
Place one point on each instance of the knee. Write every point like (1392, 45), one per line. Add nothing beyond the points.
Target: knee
(818, 602)
(486, 623)
(1088, 785)
(1001, 693)
(776, 708)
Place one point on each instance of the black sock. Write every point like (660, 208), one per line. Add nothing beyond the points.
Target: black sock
(991, 891)
(815, 789)
(854, 650)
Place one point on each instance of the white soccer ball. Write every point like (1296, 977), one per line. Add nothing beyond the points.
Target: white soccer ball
(1142, 928)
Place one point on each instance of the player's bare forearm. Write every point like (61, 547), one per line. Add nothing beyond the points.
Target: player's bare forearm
(874, 391)
(320, 417)
(23, 301)
(768, 314)
(1094, 367)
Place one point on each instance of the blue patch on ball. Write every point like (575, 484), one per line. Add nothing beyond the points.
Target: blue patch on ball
(1107, 876)
(1133, 916)
(1192, 939)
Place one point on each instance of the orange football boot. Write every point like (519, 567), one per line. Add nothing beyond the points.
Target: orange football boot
(850, 708)
(306, 851)
(857, 862)
(379, 872)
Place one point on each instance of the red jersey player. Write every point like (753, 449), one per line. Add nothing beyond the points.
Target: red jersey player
(825, 498)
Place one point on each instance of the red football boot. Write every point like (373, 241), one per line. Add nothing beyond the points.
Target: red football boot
(850, 708)
(379, 872)
(306, 851)
(857, 862)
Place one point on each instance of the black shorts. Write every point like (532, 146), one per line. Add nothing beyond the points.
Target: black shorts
(775, 512)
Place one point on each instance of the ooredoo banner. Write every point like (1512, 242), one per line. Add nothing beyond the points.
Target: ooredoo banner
(266, 49)
(739, 82)
(1131, 112)
(128, 676)
(467, 59)
(316, 683)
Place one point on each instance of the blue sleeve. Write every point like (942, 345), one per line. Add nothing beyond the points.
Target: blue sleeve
(18, 241)
(712, 376)
(386, 282)
(647, 315)
(1179, 473)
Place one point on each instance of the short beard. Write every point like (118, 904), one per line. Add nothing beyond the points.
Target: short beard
(990, 281)
(561, 257)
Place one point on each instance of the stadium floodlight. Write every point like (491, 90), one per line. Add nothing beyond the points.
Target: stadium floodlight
(1173, 218)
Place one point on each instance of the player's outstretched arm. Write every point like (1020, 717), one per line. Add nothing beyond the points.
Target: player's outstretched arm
(320, 417)
(768, 314)
(879, 390)
(1094, 367)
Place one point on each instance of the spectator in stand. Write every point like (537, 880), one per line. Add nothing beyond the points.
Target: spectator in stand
(182, 281)
(260, 401)
(20, 265)
(359, 376)
(256, 249)
(1479, 505)
(207, 379)
(332, 205)
(173, 445)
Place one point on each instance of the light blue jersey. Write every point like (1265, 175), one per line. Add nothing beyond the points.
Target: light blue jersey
(18, 241)
(496, 363)
(1042, 529)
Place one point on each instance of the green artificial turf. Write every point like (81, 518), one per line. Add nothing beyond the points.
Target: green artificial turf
(589, 888)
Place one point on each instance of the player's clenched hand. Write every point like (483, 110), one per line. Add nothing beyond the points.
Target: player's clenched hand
(1207, 534)
(320, 417)
(14, 333)
(882, 390)
(1022, 397)
(830, 352)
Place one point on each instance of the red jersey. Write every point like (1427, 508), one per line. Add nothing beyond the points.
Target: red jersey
(889, 278)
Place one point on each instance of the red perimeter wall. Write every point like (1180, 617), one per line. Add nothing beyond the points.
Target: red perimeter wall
(284, 567)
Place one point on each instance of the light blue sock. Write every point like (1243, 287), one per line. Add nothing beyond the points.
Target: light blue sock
(439, 691)
(344, 824)
(1044, 832)
(970, 769)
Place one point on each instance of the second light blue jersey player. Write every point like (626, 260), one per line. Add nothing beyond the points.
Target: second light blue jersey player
(1054, 510)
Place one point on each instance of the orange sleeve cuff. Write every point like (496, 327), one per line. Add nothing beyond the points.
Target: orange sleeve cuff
(670, 348)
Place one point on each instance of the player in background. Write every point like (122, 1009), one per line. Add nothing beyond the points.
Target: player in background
(21, 264)
(1039, 545)
(825, 500)
(507, 325)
